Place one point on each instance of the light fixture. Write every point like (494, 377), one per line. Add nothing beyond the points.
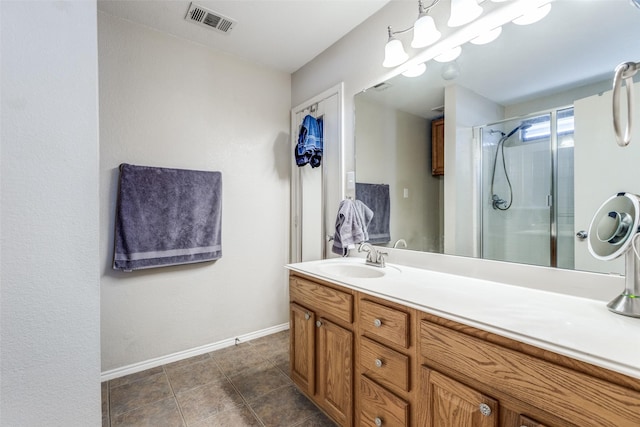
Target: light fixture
(424, 34)
(487, 37)
(463, 12)
(415, 70)
(394, 53)
(449, 55)
(450, 70)
(424, 29)
(533, 15)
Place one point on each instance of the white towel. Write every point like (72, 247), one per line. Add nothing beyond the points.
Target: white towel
(351, 226)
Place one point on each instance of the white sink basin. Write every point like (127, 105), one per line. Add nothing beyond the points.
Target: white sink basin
(355, 271)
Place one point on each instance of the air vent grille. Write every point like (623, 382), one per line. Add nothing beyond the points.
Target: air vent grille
(210, 19)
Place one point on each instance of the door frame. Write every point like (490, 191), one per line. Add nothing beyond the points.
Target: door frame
(295, 246)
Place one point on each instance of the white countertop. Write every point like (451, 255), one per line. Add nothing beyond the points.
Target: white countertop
(577, 327)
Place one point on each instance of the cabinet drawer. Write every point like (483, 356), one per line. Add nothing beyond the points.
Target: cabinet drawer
(380, 407)
(384, 323)
(385, 366)
(573, 396)
(322, 298)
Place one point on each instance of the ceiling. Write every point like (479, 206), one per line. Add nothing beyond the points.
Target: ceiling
(283, 35)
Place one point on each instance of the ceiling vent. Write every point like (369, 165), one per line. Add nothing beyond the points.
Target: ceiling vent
(210, 19)
(381, 86)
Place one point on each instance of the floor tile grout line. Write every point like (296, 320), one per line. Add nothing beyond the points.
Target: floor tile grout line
(141, 406)
(175, 397)
(270, 360)
(109, 403)
(246, 403)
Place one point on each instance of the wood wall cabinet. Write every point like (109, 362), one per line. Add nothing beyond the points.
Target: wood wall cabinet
(321, 346)
(367, 361)
(437, 147)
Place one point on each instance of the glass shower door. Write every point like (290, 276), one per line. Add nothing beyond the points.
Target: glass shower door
(517, 190)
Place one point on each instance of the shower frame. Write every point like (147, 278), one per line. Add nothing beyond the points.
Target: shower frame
(553, 189)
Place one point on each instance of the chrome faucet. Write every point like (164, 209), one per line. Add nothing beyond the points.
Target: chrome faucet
(374, 257)
(400, 242)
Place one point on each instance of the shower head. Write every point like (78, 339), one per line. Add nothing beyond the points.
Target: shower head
(521, 126)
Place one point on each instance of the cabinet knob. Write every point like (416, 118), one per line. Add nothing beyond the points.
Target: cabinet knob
(318, 323)
(307, 316)
(378, 363)
(485, 409)
(378, 421)
(377, 323)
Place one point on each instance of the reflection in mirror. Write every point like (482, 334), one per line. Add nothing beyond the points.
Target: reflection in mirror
(549, 84)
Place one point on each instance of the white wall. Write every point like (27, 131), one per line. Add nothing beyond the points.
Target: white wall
(50, 352)
(171, 103)
(394, 147)
(463, 110)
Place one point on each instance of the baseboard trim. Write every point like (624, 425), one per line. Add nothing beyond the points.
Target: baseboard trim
(158, 361)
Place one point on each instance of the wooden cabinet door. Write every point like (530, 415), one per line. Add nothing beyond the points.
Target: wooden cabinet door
(302, 347)
(528, 422)
(335, 375)
(437, 147)
(452, 404)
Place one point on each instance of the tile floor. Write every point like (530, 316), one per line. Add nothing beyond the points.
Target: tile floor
(243, 385)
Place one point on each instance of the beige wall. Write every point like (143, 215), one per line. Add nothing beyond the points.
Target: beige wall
(394, 147)
(172, 103)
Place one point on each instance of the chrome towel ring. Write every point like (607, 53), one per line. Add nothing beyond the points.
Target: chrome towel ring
(624, 71)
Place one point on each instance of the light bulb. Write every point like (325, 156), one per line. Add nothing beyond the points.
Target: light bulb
(424, 32)
(450, 70)
(449, 55)
(394, 53)
(463, 12)
(415, 70)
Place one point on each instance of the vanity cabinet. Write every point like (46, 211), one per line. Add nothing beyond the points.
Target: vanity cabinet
(437, 147)
(385, 356)
(321, 345)
(472, 372)
(448, 403)
(367, 361)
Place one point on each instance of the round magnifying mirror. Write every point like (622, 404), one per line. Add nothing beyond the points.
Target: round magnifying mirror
(614, 227)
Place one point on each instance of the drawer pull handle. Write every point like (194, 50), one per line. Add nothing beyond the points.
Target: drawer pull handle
(307, 316)
(378, 421)
(377, 323)
(379, 363)
(485, 409)
(318, 323)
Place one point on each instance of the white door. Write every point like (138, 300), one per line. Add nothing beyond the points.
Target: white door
(602, 169)
(317, 192)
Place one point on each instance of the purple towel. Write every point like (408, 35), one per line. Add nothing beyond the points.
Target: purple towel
(167, 217)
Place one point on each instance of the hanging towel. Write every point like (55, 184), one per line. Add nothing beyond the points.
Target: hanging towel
(167, 217)
(310, 144)
(365, 215)
(351, 224)
(376, 197)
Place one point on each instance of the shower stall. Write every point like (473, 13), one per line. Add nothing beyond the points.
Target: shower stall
(526, 212)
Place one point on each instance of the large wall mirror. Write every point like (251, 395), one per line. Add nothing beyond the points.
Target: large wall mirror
(529, 150)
